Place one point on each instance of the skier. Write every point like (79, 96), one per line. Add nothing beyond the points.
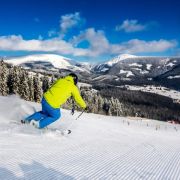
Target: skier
(52, 100)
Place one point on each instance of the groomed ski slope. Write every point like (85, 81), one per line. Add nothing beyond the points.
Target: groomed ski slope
(100, 147)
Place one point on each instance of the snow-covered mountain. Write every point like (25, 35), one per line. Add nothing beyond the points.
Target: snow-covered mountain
(47, 62)
(143, 64)
(122, 68)
(104, 67)
(120, 58)
(99, 147)
(135, 68)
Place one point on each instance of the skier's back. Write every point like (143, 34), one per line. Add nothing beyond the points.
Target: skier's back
(61, 90)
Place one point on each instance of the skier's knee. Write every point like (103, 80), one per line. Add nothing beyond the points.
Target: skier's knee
(57, 115)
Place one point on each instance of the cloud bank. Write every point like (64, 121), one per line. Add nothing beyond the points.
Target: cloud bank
(98, 45)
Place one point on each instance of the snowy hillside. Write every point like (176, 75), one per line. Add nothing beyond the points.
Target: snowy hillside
(100, 147)
(104, 67)
(56, 60)
(173, 94)
(138, 70)
(46, 62)
(138, 65)
(120, 58)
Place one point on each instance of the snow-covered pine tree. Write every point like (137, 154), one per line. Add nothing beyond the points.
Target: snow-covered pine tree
(15, 80)
(24, 87)
(112, 105)
(45, 83)
(53, 79)
(37, 88)
(31, 88)
(118, 107)
(9, 81)
(3, 78)
(100, 103)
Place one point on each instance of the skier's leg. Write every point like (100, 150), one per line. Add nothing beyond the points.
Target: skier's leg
(36, 116)
(52, 114)
(50, 119)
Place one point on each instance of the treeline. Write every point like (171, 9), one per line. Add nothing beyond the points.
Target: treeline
(143, 104)
(30, 86)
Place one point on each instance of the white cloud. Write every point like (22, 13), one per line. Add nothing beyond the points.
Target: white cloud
(141, 46)
(98, 45)
(17, 43)
(131, 26)
(68, 21)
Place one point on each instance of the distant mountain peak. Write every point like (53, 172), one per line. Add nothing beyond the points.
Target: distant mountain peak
(120, 57)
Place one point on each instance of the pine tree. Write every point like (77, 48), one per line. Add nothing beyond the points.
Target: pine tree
(100, 103)
(31, 88)
(9, 81)
(15, 80)
(37, 88)
(3, 79)
(45, 83)
(53, 79)
(118, 107)
(24, 87)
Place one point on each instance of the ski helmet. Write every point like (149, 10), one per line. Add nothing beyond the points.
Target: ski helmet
(75, 77)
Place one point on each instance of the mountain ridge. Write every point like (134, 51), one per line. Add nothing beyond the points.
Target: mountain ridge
(124, 68)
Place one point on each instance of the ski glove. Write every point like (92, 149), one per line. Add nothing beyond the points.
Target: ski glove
(85, 109)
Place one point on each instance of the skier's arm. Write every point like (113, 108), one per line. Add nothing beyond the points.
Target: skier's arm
(79, 100)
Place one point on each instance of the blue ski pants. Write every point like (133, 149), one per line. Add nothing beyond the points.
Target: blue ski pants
(47, 116)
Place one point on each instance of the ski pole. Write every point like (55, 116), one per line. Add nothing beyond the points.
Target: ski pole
(80, 115)
(68, 131)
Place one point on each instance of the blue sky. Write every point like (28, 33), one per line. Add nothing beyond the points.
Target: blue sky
(90, 30)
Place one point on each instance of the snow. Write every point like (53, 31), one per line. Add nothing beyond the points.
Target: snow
(120, 58)
(137, 69)
(128, 73)
(104, 77)
(148, 66)
(100, 147)
(80, 84)
(104, 69)
(170, 64)
(175, 95)
(135, 64)
(174, 77)
(57, 61)
(141, 71)
(144, 72)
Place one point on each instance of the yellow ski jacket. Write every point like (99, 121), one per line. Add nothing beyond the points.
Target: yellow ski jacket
(61, 90)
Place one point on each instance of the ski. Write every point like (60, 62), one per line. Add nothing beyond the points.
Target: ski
(64, 132)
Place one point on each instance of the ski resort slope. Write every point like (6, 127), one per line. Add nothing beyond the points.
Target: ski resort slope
(99, 147)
